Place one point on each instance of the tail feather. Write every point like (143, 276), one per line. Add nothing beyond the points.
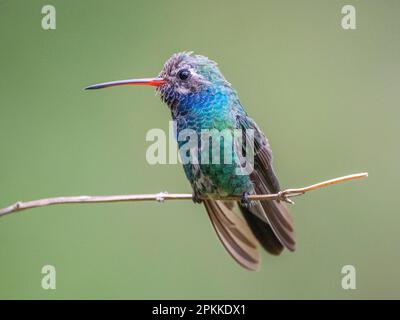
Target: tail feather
(275, 214)
(263, 232)
(234, 234)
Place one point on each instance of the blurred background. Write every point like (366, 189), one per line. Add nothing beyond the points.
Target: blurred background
(327, 98)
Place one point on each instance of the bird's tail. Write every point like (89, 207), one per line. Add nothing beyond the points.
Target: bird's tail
(262, 231)
(234, 234)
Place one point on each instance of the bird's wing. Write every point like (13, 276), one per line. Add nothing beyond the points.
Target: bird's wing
(234, 234)
(265, 181)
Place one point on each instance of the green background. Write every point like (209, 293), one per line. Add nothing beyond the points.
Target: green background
(327, 98)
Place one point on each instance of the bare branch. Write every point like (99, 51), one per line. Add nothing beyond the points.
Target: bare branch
(162, 196)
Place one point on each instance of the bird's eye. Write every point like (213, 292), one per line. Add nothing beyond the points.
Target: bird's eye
(183, 74)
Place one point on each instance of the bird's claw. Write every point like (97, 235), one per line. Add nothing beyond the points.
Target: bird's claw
(244, 199)
(196, 198)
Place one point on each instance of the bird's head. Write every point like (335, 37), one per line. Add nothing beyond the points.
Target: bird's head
(183, 74)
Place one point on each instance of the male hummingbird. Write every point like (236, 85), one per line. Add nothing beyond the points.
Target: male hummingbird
(199, 98)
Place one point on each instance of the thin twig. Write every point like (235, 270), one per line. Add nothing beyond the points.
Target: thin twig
(162, 196)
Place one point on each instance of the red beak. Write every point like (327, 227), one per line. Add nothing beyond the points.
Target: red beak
(130, 82)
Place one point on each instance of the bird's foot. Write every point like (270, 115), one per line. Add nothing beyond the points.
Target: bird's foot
(196, 197)
(244, 199)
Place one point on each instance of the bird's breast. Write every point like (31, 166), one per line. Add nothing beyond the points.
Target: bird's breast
(215, 112)
(204, 110)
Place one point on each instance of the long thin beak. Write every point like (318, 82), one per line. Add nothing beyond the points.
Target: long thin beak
(129, 82)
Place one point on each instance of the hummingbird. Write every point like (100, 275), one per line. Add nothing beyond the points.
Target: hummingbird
(199, 97)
